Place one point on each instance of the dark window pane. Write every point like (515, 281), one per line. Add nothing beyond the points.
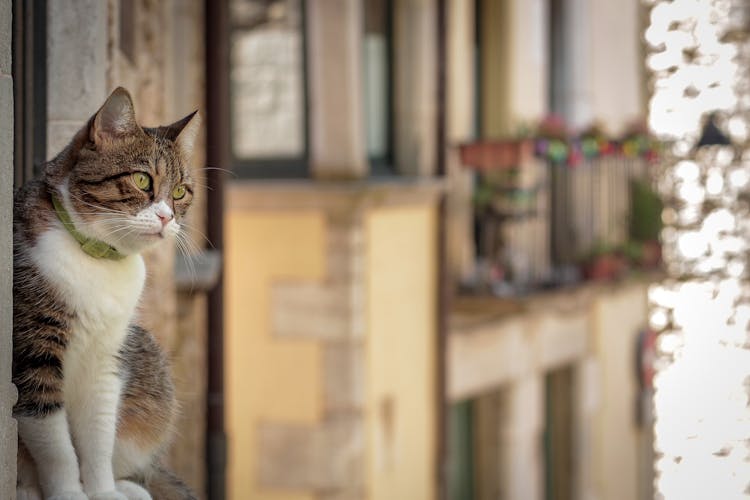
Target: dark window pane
(377, 63)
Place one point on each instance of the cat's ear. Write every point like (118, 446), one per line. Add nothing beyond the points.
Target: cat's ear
(183, 133)
(115, 119)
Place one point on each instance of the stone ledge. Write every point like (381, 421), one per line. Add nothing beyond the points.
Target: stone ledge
(491, 343)
(470, 312)
(348, 196)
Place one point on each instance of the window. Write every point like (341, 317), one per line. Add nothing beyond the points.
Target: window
(377, 64)
(267, 88)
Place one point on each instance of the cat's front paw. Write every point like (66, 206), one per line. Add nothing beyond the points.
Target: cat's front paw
(107, 495)
(132, 490)
(69, 495)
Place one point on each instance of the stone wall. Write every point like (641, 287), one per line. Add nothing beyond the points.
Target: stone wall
(593, 330)
(76, 67)
(310, 413)
(164, 72)
(7, 390)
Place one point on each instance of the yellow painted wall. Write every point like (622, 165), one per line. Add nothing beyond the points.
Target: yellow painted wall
(267, 378)
(400, 407)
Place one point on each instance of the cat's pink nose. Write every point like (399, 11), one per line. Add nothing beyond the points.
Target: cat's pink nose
(165, 218)
(164, 213)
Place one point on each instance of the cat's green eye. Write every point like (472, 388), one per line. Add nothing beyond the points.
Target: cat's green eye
(143, 181)
(179, 192)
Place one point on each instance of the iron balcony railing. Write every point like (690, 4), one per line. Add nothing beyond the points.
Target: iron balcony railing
(542, 223)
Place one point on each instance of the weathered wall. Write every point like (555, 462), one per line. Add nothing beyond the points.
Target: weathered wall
(7, 390)
(617, 65)
(271, 382)
(165, 74)
(76, 67)
(618, 319)
(400, 414)
(318, 293)
(594, 330)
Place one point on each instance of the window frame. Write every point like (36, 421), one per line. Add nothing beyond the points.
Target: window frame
(29, 70)
(275, 167)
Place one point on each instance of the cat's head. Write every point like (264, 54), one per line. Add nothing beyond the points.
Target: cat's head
(127, 185)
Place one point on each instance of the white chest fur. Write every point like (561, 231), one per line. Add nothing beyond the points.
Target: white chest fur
(103, 293)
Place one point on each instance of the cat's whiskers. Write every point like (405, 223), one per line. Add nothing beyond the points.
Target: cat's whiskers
(181, 243)
(202, 185)
(99, 208)
(193, 229)
(230, 172)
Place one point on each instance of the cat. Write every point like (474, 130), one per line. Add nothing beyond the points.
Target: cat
(95, 399)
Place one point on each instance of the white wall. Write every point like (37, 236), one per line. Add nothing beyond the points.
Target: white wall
(616, 63)
(604, 78)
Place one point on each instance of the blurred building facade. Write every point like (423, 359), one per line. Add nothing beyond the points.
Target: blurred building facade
(543, 390)
(353, 365)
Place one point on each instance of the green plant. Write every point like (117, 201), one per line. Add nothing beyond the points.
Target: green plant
(645, 211)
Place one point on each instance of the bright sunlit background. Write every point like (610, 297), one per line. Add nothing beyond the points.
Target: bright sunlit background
(698, 60)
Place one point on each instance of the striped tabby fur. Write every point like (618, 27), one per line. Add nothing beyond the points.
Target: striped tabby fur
(95, 399)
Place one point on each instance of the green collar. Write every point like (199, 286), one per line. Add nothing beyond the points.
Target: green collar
(95, 248)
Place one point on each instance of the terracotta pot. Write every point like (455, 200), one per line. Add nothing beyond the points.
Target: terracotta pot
(604, 267)
(650, 254)
(488, 155)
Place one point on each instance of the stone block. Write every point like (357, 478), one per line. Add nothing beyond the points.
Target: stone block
(6, 33)
(76, 58)
(328, 457)
(311, 310)
(8, 441)
(345, 254)
(59, 134)
(7, 390)
(6, 223)
(488, 356)
(6, 138)
(343, 379)
(562, 339)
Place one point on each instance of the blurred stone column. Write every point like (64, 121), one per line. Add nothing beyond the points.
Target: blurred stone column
(521, 425)
(515, 64)
(586, 387)
(336, 120)
(8, 438)
(414, 40)
(76, 67)
(461, 83)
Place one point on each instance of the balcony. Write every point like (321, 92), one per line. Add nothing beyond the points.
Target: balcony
(553, 212)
